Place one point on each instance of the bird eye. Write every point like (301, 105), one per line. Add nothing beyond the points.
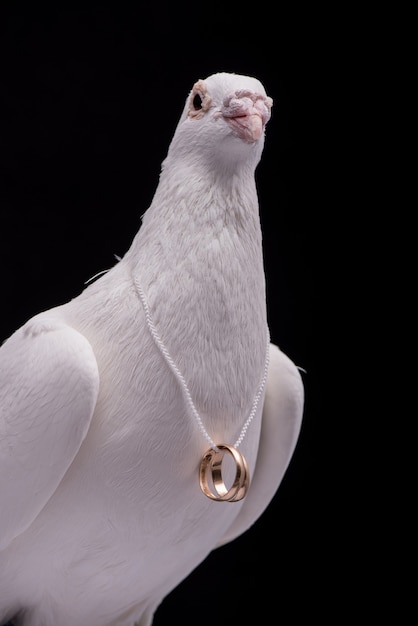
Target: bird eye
(197, 102)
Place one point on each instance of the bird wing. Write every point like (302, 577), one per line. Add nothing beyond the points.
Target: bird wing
(281, 423)
(49, 383)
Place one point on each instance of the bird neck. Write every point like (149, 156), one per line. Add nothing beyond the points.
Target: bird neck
(209, 220)
(192, 207)
(198, 258)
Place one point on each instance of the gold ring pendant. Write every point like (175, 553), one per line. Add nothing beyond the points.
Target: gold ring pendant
(212, 464)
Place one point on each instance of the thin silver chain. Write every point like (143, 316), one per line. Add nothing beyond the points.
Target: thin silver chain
(183, 384)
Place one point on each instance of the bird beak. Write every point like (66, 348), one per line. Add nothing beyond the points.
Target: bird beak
(249, 128)
(247, 113)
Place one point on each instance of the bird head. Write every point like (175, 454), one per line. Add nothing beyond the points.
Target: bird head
(223, 122)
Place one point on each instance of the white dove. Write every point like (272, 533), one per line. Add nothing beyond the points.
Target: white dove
(149, 420)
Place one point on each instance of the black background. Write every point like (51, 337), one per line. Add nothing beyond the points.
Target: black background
(90, 98)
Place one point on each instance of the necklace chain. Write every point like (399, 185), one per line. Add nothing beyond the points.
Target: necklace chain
(164, 351)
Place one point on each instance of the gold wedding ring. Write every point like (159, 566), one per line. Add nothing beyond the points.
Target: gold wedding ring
(212, 464)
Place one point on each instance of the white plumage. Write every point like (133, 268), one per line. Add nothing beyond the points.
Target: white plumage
(101, 514)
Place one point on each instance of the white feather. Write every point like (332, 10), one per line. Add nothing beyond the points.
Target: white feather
(101, 512)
